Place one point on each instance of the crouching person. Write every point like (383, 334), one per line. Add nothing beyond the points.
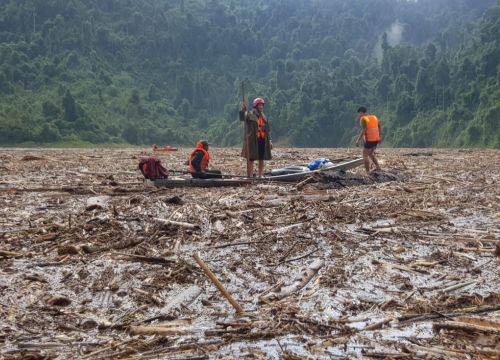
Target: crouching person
(198, 162)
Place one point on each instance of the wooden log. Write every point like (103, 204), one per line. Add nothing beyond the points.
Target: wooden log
(458, 312)
(426, 350)
(6, 254)
(156, 330)
(458, 286)
(467, 327)
(301, 184)
(302, 280)
(239, 243)
(92, 355)
(177, 223)
(284, 228)
(198, 345)
(377, 325)
(183, 298)
(218, 284)
(141, 258)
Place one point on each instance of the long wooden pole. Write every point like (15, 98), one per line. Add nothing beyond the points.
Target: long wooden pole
(246, 140)
(217, 283)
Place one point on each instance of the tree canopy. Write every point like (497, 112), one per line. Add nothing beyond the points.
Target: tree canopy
(153, 71)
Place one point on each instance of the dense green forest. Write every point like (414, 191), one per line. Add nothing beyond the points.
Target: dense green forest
(170, 71)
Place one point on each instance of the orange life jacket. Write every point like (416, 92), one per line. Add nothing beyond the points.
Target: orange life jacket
(372, 132)
(261, 133)
(204, 161)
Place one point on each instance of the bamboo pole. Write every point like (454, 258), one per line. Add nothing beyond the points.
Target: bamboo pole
(217, 283)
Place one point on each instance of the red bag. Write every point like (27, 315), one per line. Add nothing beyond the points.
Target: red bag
(152, 168)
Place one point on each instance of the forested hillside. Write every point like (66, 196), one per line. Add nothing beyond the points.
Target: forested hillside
(158, 71)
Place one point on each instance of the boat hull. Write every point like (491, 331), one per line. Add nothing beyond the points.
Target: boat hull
(288, 178)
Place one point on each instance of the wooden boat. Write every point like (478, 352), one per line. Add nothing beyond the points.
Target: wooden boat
(165, 148)
(188, 181)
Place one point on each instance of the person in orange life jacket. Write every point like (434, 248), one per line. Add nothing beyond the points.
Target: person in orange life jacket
(372, 134)
(257, 143)
(198, 162)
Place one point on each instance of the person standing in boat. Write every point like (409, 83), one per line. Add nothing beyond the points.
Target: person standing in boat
(372, 135)
(257, 142)
(198, 162)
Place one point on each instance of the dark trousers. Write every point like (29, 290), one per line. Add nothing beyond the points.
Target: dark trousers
(211, 174)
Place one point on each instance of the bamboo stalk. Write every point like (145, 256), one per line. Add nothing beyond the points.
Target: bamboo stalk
(217, 283)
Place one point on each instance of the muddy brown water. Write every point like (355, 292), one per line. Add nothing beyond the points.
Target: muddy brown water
(85, 264)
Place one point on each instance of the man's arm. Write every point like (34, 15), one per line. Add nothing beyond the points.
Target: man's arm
(363, 126)
(243, 111)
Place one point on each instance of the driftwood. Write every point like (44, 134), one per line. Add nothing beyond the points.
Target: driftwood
(390, 250)
(427, 350)
(217, 283)
(302, 280)
(304, 182)
(458, 286)
(377, 325)
(183, 298)
(165, 329)
(9, 254)
(141, 258)
(177, 223)
(470, 325)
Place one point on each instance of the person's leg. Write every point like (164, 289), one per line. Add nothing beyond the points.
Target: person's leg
(374, 158)
(262, 150)
(261, 167)
(249, 168)
(366, 159)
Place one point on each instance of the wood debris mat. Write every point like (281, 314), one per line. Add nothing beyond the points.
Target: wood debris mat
(401, 264)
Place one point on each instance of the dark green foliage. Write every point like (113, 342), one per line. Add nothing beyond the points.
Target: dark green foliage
(50, 110)
(49, 134)
(69, 106)
(151, 71)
